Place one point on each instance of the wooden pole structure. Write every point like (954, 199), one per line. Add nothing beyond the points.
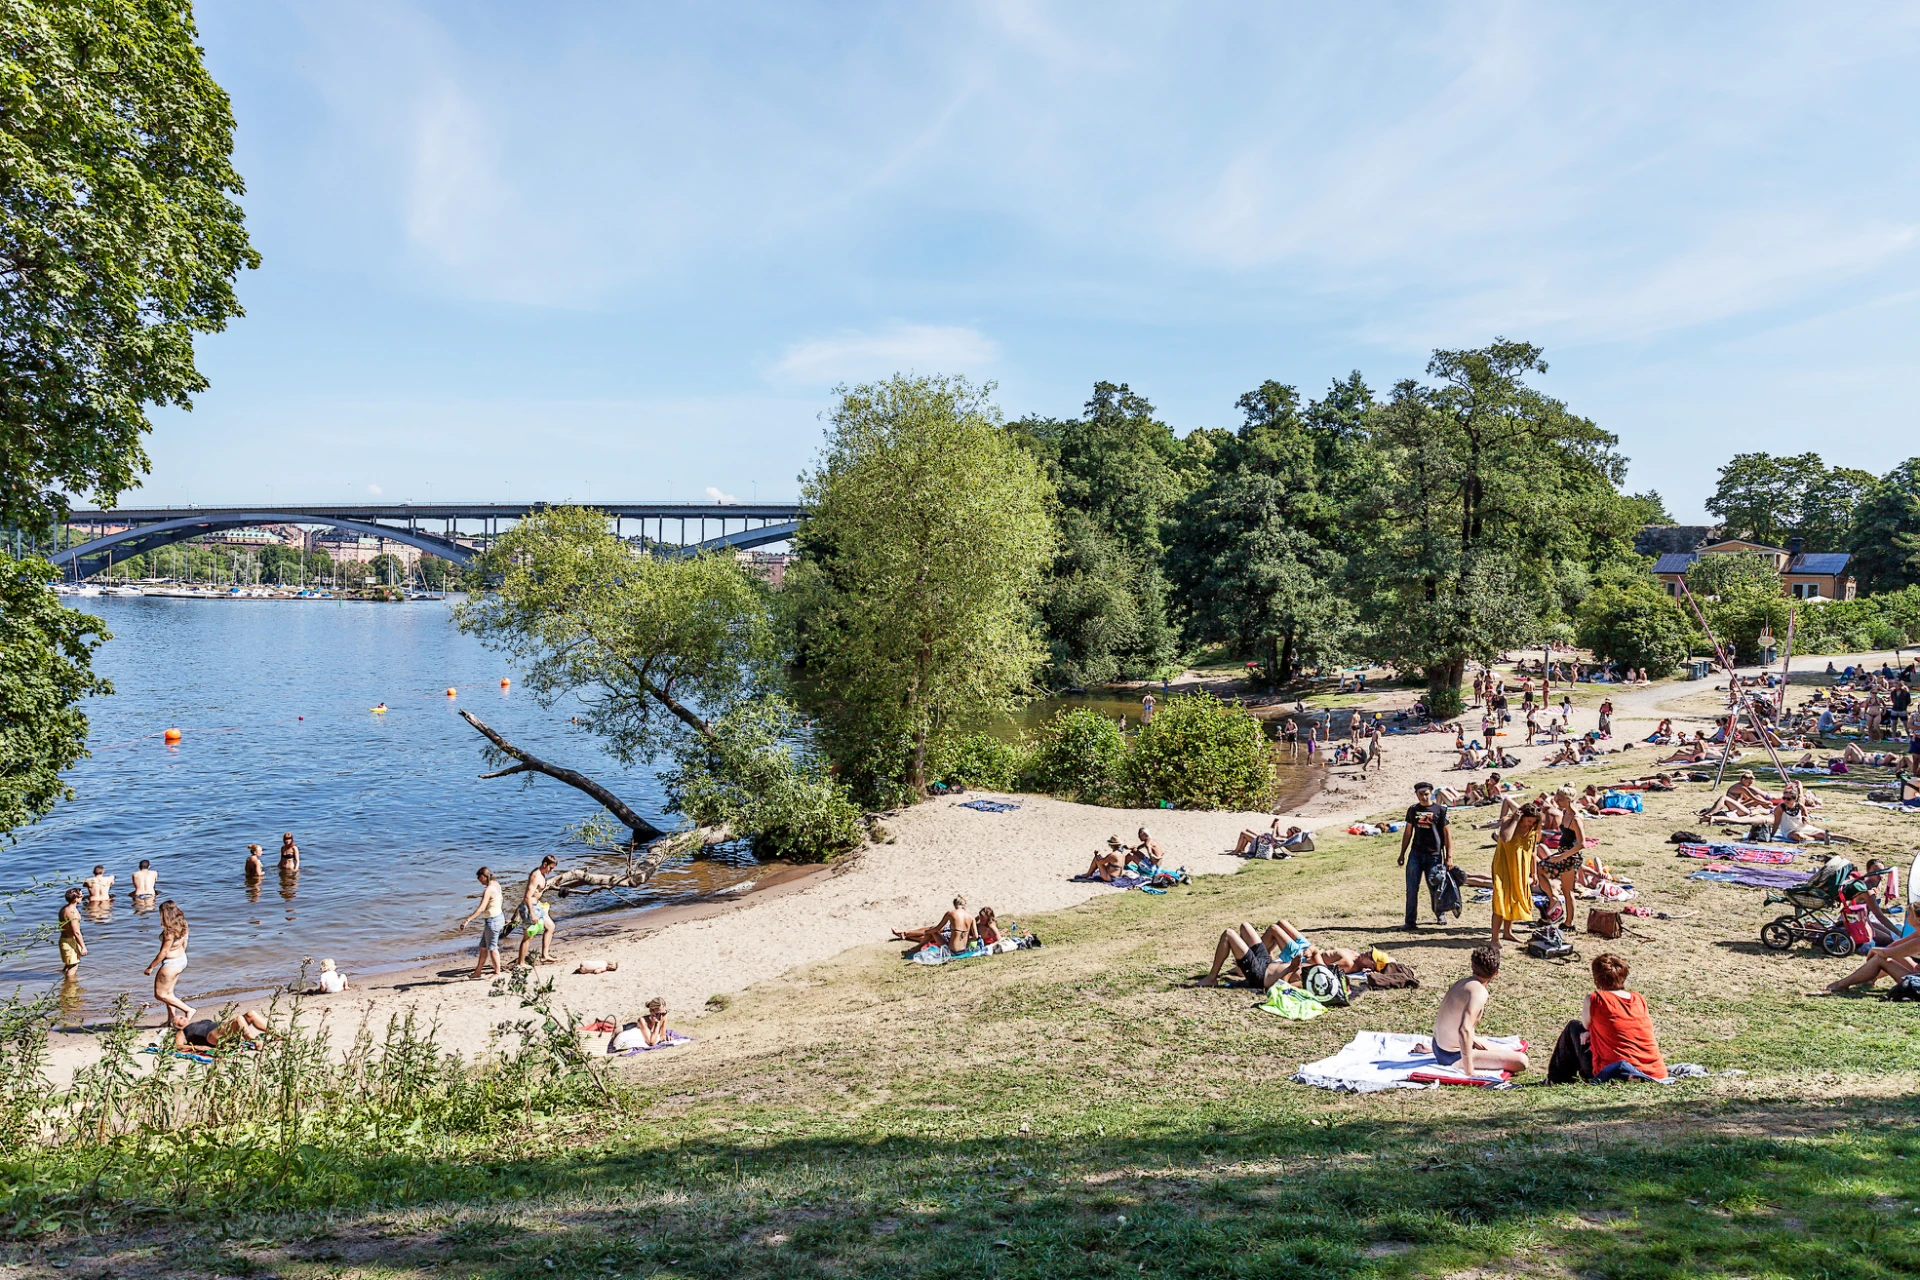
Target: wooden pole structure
(1786, 665)
(1733, 711)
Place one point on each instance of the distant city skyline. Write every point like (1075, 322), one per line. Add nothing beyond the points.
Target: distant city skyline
(606, 250)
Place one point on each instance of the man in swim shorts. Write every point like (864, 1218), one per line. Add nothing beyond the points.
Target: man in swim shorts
(1455, 1041)
(1255, 955)
(145, 879)
(535, 922)
(205, 1033)
(72, 945)
(492, 921)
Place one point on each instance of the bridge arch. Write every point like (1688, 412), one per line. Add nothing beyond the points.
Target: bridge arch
(89, 558)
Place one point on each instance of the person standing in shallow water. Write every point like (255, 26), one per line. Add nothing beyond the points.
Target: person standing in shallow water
(1146, 709)
(72, 945)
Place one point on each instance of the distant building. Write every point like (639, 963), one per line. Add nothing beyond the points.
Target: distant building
(770, 566)
(1804, 575)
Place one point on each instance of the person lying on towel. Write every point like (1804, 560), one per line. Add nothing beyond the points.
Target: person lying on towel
(1613, 1040)
(1454, 1042)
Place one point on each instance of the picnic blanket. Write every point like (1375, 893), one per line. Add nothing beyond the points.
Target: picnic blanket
(201, 1058)
(990, 806)
(1754, 877)
(1376, 1060)
(1737, 852)
(673, 1041)
(1898, 806)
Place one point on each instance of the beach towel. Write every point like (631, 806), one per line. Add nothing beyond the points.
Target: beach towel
(673, 1041)
(1376, 1060)
(934, 953)
(1754, 877)
(1735, 852)
(1291, 1002)
(990, 806)
(201, 1058)
(1898, 806)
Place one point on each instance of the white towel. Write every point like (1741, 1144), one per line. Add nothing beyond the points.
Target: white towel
(1376, 1060)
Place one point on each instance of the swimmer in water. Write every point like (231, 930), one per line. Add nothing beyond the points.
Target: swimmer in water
(289, 854)
(255, 869)
(100, 886)
(145, 879)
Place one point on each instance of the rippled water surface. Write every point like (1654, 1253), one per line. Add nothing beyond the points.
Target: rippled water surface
(273, 702)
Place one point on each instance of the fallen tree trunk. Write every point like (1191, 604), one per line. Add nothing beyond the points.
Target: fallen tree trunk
(641, 868)
(642, 830)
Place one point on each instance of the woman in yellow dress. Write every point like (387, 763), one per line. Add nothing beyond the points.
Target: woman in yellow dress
(1513, 867)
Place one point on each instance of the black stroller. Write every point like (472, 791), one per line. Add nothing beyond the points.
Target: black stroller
(1816, 913)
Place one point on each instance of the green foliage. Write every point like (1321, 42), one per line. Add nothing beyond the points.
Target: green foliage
(926, 542)
(653, 647)
(977, 760)
(1767, 499)
(1491, 493)
(1199, 753)
(120, 236)
(46, 653)
(1886, 531)
(779, 797)
(1733, 574)
(1635, 622)
(1079, 756)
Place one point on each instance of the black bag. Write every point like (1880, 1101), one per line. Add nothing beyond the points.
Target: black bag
(1328, 985)
(1444, 892)
(1548, 943)
(1908, 988)
(1572, 1056)
(1686, 837)
(1457, 874)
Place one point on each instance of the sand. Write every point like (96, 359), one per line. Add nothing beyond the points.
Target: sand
(1019, 863)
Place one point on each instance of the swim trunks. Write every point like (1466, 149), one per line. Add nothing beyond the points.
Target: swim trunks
(1254, 965)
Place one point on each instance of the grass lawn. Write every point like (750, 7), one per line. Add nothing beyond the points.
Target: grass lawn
(1087, 1110)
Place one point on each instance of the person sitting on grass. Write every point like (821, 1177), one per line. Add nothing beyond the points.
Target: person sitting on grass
(1613, 1039)
(1454, 1028)
(1256, 955)
(1106, 865)
(206, 1033)
(1686, 752)
(1790, 823)
(953, 931)
(1895, 961)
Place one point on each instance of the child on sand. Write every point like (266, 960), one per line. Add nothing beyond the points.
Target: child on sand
(1454, 1027)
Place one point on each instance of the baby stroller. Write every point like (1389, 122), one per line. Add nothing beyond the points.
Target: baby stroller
(1816, 913)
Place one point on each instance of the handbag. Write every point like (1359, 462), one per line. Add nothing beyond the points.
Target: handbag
(1603, 923)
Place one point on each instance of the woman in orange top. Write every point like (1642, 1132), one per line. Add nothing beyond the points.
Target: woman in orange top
(1619, 1028)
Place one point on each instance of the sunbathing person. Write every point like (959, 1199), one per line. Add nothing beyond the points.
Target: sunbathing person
(1895, 961)
(984, 927)
(1790, 823)
(1254, 955)
(954, 930)
(1454, 1027)
(1653, 782)
(1687, 752)
(1566, 755)
(1251, 840)
(1876, 759)
(1106, 865)
(207, 1034)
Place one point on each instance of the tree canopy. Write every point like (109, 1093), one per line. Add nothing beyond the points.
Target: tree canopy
(45, 657)
(927, 539)
(1767, 499)
(120, 238)
(1886, 531)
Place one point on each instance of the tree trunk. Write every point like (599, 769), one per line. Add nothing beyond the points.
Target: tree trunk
(1286, 659)
(1443, 687)
(529, 763)
(641, 869)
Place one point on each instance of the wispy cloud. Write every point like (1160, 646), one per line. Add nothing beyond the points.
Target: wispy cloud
(375, 490)
(724, 499)
(898, 348)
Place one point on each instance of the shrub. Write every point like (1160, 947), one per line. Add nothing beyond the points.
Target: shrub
(1886, 635)
(1199, 753)
(1637, 625)
(977, 760)
(1078, 756)
(755, 776)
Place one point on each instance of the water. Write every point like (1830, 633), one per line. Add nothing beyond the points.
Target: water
(272, 699)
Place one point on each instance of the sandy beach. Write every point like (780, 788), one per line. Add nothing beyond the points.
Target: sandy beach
(1019, 862)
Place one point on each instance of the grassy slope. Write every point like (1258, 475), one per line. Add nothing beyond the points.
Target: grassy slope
(1086, 1110)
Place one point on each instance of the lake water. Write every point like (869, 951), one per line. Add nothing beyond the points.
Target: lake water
(273, 702)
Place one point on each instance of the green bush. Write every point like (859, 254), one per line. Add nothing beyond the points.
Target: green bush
(776, 795)
(1637, 625)
(1199, 753)
(1078, 756)
(1885, 635)
(977, 760)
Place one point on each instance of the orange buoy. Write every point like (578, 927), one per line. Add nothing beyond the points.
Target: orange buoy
(450, 693)
(504, 682)
(171, 735)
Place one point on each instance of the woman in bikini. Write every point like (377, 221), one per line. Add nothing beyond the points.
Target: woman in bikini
(171, 960)
(954, 930)
(1107, 865)
(1562, 866)
(289, 855)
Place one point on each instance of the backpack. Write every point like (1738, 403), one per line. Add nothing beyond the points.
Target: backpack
(1548, 943)
(1327, 985)
(1908, 988)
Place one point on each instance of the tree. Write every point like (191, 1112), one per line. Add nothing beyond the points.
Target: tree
(922, 556)
(1740, 594)
(1490, 491)
(1767, 499)
(1648, 508)
(1634, 622)
(45, 670)
(1258, 551)
(1886, 531)
(120, 237)
(1117, 471)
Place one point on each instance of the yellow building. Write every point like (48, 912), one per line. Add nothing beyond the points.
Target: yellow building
(1804, 575)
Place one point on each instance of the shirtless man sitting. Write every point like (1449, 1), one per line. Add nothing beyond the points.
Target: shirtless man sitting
(1567, 755)
(1146, 854)
(1454, 1027)
(145, 878)
(954, 930)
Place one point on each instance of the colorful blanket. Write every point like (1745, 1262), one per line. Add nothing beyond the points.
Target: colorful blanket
(673, 1041)
(1754, 877)
(990, 806)
(1376, 1060)
(1736, 852)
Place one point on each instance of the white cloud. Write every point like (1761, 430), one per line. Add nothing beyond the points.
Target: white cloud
(375, 490)
(725, 499)
(898, 348)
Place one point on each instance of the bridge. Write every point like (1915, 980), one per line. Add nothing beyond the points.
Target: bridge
(435, 527)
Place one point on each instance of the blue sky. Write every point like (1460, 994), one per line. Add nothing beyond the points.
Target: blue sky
(624, 250)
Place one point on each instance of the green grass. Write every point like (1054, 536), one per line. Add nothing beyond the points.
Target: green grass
(1001, 1119)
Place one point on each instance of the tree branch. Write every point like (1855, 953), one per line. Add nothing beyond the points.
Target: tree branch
(639, 826)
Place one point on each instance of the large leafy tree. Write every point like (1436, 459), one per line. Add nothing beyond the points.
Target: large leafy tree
(927, 538)
(1491, 492)
(1117, 470)
(1886, 531)
(120, 238)
(1259, 550)
(1768, 499)
(1630, 619)
(44, 672)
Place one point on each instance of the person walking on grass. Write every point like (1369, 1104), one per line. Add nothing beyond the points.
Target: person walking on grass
(72, 945)
(492, 920)
(1427, 837)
